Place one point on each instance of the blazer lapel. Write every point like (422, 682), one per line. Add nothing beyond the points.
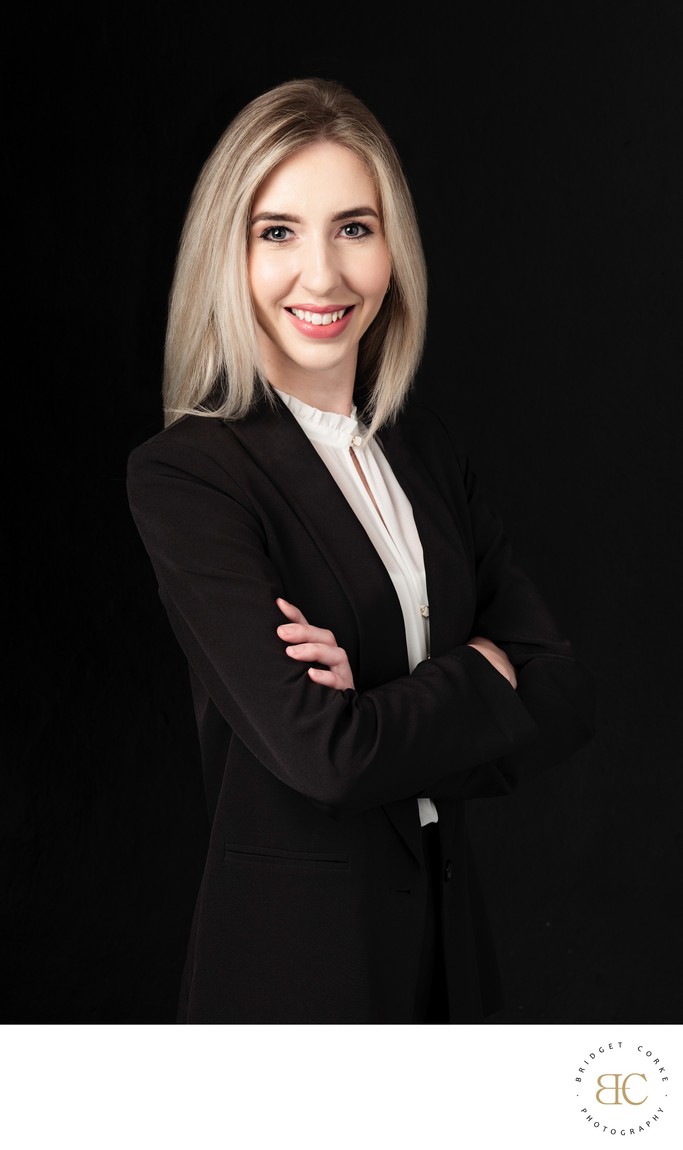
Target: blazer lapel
(282, 450)
(448, 566)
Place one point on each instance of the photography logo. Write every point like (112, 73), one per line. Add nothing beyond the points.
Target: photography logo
(622, 1089)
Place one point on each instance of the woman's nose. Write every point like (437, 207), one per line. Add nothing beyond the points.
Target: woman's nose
(320, 271)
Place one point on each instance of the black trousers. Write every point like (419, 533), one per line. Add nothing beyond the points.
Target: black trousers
(431, 996)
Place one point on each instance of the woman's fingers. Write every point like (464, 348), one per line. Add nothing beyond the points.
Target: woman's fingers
(309, 644)
(336, 670)
(305, 633)
(291, 612)
(331, 656)
(328, 678)
(496, 657)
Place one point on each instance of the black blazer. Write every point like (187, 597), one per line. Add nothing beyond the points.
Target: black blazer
(312, 901)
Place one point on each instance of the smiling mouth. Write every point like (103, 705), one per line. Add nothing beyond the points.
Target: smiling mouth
(319, 318)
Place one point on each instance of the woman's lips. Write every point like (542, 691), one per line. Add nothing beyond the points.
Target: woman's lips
(320, 323)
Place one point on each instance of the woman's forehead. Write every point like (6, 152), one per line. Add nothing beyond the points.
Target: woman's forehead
(317, 172)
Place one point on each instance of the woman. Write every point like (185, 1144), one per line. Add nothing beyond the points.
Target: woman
(364, 653)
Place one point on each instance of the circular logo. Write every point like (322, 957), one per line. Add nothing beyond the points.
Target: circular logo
(622, 1089)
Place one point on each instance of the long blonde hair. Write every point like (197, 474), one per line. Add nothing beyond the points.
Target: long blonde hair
(212, 362)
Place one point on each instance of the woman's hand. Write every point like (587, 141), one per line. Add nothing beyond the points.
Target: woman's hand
(311, 644)
(496, 657)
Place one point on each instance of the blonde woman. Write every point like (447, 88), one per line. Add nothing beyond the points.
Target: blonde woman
(364, 653)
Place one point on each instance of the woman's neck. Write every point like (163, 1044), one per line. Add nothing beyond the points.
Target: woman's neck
(325, 397)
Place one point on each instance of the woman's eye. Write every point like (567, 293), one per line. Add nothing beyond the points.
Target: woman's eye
(355, 231)
(276, 233)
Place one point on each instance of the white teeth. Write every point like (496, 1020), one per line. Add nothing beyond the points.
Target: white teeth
(317, 317)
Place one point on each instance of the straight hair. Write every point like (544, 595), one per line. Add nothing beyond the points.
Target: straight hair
(212, 362)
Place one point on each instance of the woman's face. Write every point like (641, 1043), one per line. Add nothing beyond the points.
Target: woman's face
(319, 267)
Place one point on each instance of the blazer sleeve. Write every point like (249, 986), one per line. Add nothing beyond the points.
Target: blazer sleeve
(416, 734)
(556, 690)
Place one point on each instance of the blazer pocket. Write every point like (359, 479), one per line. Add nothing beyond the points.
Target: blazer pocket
(246, 853)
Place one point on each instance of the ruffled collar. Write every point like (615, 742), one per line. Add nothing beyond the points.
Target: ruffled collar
(326, 426)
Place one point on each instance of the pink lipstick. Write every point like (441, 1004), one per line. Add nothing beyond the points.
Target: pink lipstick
(320, 323)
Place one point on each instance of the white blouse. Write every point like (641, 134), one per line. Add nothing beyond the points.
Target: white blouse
(341, 444)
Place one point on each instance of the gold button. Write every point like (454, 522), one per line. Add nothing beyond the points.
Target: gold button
(356, 440)
(424, 611)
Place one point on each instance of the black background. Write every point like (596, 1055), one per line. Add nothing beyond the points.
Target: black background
(543, 145)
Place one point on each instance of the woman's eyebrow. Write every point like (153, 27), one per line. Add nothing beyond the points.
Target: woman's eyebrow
(288, 218)
(365, 210)
(285, 217)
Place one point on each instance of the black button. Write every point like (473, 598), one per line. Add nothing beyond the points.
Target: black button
(448, 871)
